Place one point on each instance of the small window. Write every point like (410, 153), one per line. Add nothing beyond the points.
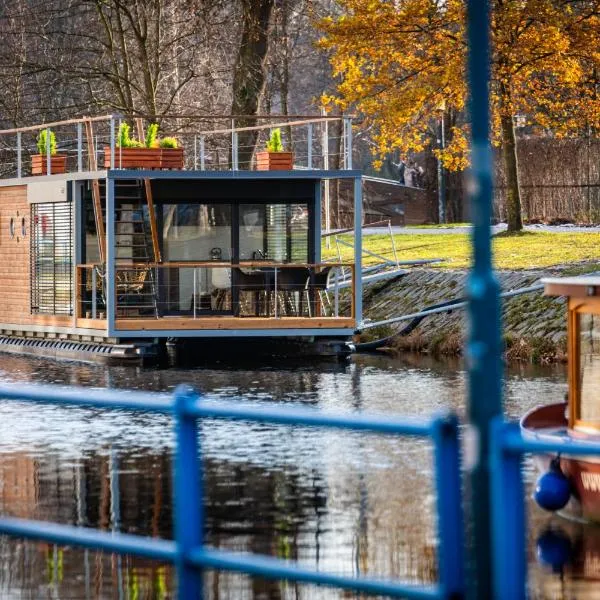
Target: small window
(11, 228)
(589, 369)
(23, 227)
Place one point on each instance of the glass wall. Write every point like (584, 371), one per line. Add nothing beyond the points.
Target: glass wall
(196, 232)
(274, 232)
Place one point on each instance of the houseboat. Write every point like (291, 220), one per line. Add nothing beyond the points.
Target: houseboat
(573, 482)
(114, 258)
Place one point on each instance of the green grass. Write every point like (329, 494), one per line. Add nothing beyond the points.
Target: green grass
(525, 250)
(443, 226)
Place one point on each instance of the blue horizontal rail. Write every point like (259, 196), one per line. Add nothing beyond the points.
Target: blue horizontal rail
(509, 523)
(188, 552)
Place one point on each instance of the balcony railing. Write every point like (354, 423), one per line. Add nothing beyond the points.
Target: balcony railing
(210, 143)
(199, 290)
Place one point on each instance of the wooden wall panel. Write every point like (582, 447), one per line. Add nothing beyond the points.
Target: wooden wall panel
(14, 256)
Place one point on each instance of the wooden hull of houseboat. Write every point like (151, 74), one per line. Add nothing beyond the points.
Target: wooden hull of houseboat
(550, 423)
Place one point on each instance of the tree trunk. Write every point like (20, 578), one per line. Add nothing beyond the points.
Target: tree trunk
(250, 73)
(513, 194)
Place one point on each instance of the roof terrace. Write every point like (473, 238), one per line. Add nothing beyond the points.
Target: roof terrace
(204, 143)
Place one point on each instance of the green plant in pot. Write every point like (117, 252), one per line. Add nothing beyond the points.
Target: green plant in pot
(39, 162)
(274, 157)
(151, 153)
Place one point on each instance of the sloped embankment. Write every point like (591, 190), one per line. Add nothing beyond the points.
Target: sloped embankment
(534, 325)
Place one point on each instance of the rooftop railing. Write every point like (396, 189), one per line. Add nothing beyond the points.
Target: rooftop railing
(209, 143)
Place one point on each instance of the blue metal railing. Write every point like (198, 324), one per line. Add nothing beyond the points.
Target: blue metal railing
(188, 552)
(509, 526)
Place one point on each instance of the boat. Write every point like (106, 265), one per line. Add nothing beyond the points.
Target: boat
(131, 263)
(573, 481)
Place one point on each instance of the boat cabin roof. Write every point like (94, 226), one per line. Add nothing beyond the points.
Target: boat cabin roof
(581, 286)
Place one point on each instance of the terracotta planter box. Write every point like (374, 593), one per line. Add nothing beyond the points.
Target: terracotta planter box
(145, 158)
(58, 164)
(274, 161)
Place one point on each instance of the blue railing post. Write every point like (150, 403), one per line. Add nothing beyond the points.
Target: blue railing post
(484, 346)
(508, 517)
(187, 494)
(449, 507)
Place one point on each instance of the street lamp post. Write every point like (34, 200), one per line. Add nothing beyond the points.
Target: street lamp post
(441, 143)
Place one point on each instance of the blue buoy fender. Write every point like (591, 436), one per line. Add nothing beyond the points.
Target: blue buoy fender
(552, 490)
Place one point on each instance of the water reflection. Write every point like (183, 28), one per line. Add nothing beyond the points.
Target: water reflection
(343, 502)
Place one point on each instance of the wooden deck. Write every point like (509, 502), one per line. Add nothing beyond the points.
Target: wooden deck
(233, 323)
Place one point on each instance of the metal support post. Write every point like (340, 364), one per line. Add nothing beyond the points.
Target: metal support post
(508, 518)
(202, 154)
(48, 155)
(348, 123)
(195, 153)
(112, 142)
(358, 249)
(449, 507)
(195, 290)
(187, 494)
(19, 156)
(393, 242)
(336, 293)
(275, 312)
(326, 196)
(234, 147)
(120, 148)
(309, 144)
(234, 150)
(80, 147)
(483, 348)
(110, 270)
(94, 293)
(441, 174)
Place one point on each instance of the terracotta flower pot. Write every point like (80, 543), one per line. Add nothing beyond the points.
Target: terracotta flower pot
(145, 158)
(39, 164)
(274, 161)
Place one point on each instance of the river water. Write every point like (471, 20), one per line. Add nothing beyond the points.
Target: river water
(344, 502)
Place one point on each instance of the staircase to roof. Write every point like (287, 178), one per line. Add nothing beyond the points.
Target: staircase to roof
(136, 285)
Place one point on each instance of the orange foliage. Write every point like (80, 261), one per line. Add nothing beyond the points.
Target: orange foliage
(399, 61)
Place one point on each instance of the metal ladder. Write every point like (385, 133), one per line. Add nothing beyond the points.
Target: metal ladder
(136, 287)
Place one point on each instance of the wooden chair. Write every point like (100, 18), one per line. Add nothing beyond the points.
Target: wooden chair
(318, 282)
(292, 280)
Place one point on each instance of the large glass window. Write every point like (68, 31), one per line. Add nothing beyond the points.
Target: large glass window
(589, 368)
(196, 232)
(275, 232)
(51, 258)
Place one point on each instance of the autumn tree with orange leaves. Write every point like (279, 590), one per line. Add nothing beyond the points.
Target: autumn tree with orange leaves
(399, 61)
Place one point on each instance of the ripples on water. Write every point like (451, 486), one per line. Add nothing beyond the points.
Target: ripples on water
(344, 502)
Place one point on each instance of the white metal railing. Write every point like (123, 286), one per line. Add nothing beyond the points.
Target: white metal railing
(313, 140)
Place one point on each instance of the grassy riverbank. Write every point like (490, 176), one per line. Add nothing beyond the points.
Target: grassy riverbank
(534, 325)
(526, 250)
